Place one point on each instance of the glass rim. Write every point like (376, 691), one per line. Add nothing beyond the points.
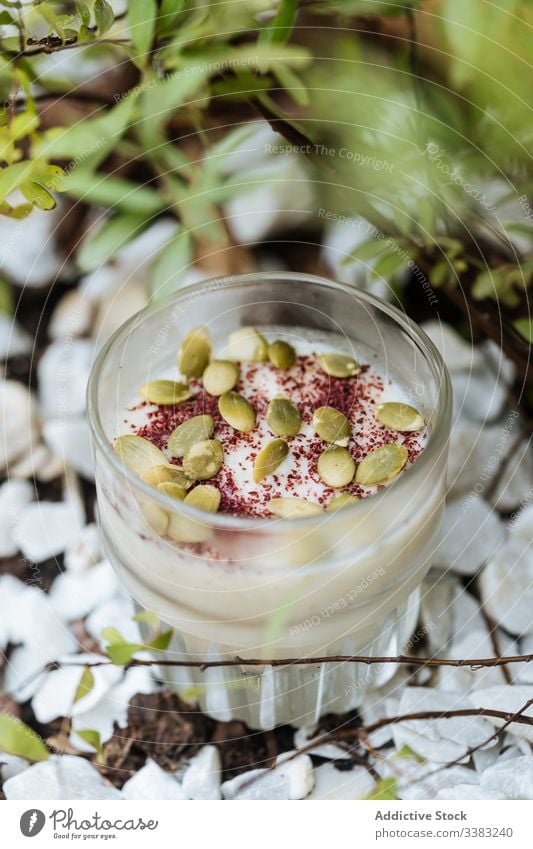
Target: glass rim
(225, 521)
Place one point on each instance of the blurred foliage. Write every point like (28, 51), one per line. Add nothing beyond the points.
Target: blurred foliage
(416, 114)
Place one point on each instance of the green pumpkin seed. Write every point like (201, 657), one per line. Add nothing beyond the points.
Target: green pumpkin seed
(381, 464)
(172, 490)
(398, 416)
(293, 508)
(166, 473)
(331, 425)
(156, 517)
(138, 454)
(203, 460)
(195, 429)
(204, 497)
(220, 376)
(338, 365)
(269, 458)
(194, 353)
(343, 499)
(237, 411)
(336, 466)
(281, 354)
(165, 392)
(283, 417)
(247, 345)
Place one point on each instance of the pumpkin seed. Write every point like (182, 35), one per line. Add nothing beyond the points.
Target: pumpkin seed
(269, 458)
(166, 473)
(195, 429)
(237, 411)
(336, 466)
(203, 460)
(220, 376)
(165, 392)
(293, 508)
(398, 416)
(247, 345)
(194, 353)
(156, 517)
(281, 354)
(338, 365)
(138, 454)
(331, 425)
(172, 490)
(204, 497)
(283, 417)
(381, 464)
(343, 499)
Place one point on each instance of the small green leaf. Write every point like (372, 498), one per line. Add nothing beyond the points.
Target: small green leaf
(122, 654)
(292, 83)
(387, 265)
(112, 636)
(6, 297)
(93, 738)
(161, 641)
(84, 12)
(525, 327)
(366, 251)
(149, 617)
(142, 15)
(38, 195)
(101, 245)
(86, 684)
(104, 15)
(5, 19)
(168, 13)
(405, 751)
(487, 284)
(16, 738)
(386, 790)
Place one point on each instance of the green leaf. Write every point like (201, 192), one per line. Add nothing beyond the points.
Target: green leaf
(405, 751)
(366, 251)
(38, 195)
(114, 233)
(172, 261)
(387, 265)
(169, 11)
(12, 177)
(123, 654)
(114, 192)
(7, 301)
(525, 327)
(84, 12)
(142, 15)
(279, 29)
(93, 738)
(292, 83)
(386, 790)
(86, 684)
(5, 19)
(149, 617)
(104, 16)
(16, 738)
(161, 641)
(113, 636)
(487, 284)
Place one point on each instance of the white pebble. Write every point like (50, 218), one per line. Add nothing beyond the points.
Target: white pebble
(85, 551)
(14, 341)
(46, 528)
(75, 594)
(72, 316)
(14, 495)
(201, 779)
(19, 429)
(506, 586)
(62, 373)
(68, 439)
(458, 354)
(471, 533)
(151, 782)
(61, 777)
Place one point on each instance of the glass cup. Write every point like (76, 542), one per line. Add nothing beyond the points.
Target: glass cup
(240, 588)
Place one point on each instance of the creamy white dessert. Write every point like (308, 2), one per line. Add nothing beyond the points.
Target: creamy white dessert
(326, 584)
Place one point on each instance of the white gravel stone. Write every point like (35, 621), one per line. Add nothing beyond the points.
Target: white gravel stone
(506, 586)
(416, 780)
(292, 780)
(46, 528)
(151, 782)
(62, 373)
(68, 439)
(114, 612)
(514, 486)
(511, 779)
(75, 594)
(331, 783)
(471, 533)
(509, 698)
(72, 316)
(304, 737)
(19, 429)
(62, 777)
(202, 777)
(115, 309)
(14, 496)
(472, 644)
(27, 250)
(466, 792)
(521, 526)
(11, 765)
(14, 341)
(86, 550)
(459, 355)
(478, 395)
(438, 740)
(30, 619)
(57, 691)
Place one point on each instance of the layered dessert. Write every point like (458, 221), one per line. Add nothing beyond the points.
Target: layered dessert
(270, 465)
(270, 425)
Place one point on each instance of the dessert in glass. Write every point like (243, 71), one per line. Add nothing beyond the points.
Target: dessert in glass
(270, 455)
